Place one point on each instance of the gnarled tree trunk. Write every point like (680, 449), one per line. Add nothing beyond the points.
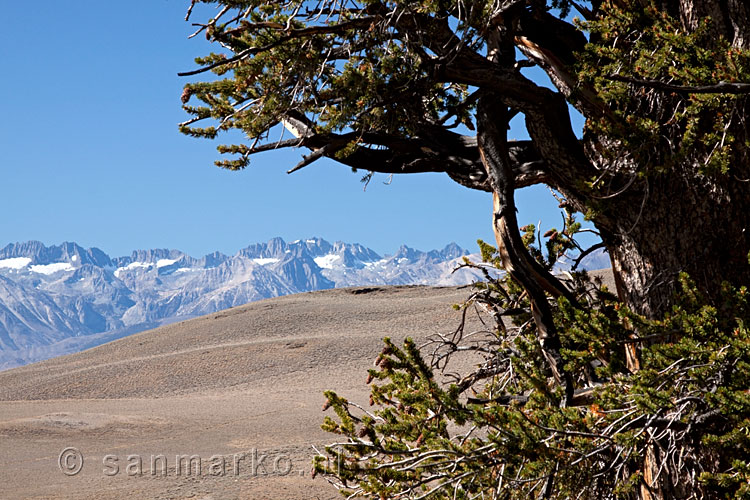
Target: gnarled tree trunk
(659, 209)
(703, 231)
(654, 226)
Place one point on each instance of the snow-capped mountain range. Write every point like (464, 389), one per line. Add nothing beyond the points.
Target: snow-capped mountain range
(61, 299)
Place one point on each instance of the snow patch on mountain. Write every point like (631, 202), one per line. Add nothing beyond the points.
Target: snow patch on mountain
(15, 262)
(131, 266)
(327, 261)
(53, 268)
(266, 261)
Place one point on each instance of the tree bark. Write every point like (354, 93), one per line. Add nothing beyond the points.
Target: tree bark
(492, 118)
(703, 231)
(659, 225)
(683, 220)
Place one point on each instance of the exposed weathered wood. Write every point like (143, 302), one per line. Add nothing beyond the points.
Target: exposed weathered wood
(513, 254)
(436, 150)
(493, 116)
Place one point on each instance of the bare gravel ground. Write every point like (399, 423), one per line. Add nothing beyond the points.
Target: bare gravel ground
(241, 389)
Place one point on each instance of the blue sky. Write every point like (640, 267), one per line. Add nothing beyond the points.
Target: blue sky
(90, 152)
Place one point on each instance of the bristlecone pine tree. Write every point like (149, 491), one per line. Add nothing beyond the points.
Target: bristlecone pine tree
(637, 392)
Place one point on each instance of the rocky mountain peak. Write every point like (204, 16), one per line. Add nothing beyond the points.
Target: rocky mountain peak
(52, 294)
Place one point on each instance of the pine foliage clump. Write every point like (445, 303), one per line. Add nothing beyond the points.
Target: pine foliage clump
(504, 431)
(675, 96)
(577, 391)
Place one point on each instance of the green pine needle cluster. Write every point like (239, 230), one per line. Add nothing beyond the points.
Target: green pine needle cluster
(501, 432)
(346, 71)
(662, 129)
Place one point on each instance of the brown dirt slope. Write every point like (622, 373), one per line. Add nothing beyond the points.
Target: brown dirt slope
(239, 391)
(229, 388)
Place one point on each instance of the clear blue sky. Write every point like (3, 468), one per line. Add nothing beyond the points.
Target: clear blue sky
(90, 152)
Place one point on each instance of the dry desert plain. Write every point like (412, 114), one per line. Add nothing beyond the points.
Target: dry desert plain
(241, 389)
(230, 388)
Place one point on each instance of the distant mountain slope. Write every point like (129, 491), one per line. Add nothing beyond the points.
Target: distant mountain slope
(60, 299)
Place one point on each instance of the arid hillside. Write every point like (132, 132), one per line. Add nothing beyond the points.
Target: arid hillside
(229, 388)
(226, 406)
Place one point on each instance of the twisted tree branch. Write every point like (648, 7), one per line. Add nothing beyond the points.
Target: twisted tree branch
(718, 88)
